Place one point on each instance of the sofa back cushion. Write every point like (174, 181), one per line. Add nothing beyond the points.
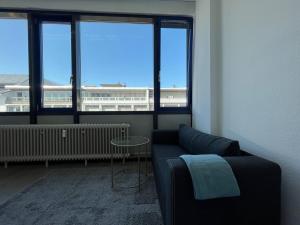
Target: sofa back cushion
(197, 142)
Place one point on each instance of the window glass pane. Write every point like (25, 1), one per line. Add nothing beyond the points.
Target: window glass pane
(56, 65)
(173, 69)
(14, 69)
(116, 66)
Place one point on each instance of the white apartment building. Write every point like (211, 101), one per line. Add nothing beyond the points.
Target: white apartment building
(14, 96)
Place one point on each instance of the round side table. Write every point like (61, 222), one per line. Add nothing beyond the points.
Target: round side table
(131, 146)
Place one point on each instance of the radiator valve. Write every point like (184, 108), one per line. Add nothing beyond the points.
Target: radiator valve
(64, 133)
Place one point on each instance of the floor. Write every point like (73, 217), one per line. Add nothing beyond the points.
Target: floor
(70, 193)
(18, 177)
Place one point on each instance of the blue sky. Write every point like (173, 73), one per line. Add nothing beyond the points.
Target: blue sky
(13, 47)
(110, 53)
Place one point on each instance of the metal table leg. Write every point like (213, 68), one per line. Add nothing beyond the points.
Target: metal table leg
(139, 167)
(112, 167)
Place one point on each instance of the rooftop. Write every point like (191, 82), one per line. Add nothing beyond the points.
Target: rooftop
(19, 79)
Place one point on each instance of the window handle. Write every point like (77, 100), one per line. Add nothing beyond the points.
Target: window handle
(71, 79)
(159, 76)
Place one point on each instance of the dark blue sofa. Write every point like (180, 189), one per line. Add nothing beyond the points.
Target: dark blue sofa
(259, 181)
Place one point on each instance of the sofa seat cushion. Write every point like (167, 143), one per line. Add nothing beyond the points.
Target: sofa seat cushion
(197, 142)
(166, 151)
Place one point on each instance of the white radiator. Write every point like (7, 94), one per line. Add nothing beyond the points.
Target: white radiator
(58, 142)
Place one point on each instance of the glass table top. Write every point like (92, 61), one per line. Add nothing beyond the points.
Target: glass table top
(130, 141)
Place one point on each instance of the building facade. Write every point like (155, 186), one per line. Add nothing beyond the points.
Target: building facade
(14, 96)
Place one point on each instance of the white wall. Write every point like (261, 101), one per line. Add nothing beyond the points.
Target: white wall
(118, 6)
(206, 54)
(202, 70)
(172, 121)
(6, 120)
(55, 119)
(258, 84)
(139, 124)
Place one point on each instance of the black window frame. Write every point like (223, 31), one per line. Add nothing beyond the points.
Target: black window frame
(38, 76)
(173, 22)
(35, 16)
(29, 62)
(122, 18)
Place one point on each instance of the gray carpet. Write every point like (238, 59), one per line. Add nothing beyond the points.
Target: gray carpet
(83, 196)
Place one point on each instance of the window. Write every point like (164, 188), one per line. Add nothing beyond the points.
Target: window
(56, 65)
(116, 63)
(174, 65)
(94, 62)
(14, 69)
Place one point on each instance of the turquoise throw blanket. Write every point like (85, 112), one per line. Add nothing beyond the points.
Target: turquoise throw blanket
(212, 177)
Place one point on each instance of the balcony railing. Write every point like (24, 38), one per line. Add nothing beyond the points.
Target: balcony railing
(57, 99)
(16, 100)
(98, 100)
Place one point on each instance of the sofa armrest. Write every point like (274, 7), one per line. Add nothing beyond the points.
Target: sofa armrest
(165, 137)
(260, 184)
(259, 203)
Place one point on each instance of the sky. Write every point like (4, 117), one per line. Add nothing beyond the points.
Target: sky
(110, 53)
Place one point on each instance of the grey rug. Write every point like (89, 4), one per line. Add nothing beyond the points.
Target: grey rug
(83, 196)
